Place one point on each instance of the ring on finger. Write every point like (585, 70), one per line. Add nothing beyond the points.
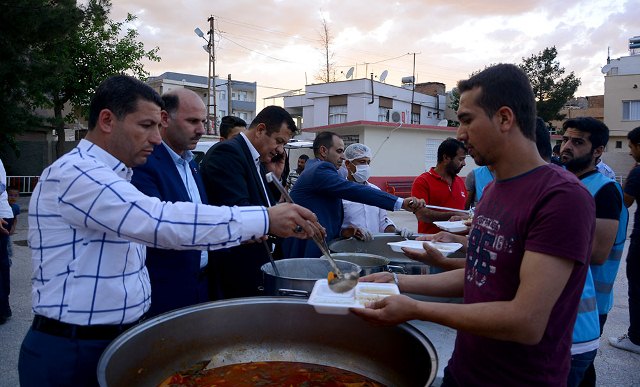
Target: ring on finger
(298, 229)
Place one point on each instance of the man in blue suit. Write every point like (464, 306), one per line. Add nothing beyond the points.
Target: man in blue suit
(234, 172)
(178, 277)
(320, 189)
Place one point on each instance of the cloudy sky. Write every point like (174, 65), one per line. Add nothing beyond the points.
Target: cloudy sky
(277, 42)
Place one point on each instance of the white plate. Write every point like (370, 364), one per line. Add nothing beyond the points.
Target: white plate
(444, 248)
(457, 226)
(325, 301)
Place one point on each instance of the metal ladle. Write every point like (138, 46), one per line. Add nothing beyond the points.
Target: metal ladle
(341, 283)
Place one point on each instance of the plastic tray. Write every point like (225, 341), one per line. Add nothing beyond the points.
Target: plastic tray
(444, 248)
(458, 226)
(325, 301)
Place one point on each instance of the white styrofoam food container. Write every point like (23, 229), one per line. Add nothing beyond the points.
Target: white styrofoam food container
(457, 226)
(325, 301)
(444, 248)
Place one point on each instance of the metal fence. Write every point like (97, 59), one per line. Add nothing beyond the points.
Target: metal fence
(25, 184)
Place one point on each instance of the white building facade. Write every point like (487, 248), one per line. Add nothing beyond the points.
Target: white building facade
(622, 106)
(403, 137)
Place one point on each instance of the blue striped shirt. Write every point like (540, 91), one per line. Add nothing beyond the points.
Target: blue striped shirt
(88, 228)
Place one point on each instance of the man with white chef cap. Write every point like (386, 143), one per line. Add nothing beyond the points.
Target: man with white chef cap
(361, 220)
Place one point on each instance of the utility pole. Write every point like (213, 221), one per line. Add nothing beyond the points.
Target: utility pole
(413, 84)
(229, 95)
(212, 77)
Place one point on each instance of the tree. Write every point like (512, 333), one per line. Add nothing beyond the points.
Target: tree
(454, 103)
(551, 90)
(93, 53)
(327, 73)
(26, 27)
(65, 68)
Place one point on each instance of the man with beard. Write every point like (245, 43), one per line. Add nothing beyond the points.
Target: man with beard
(527, 256)
(583, 143)
(441, 186)
(170, 174)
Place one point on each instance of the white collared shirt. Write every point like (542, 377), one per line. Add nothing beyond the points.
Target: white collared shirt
(256, 160)
(5, 208)
(189, 182)
(88, 226)
(364, 216)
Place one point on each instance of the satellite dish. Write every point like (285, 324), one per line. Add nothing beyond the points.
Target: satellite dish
(606, 68)
(396, 117)
(443, 122)
(349, 73)
(383, 76)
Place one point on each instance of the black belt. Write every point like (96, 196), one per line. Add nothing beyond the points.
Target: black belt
(80, 332)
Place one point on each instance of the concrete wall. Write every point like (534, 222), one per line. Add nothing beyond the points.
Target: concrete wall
(617, 89)
(400, 151)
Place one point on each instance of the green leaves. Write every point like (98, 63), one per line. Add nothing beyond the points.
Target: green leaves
(551, 89)
(55, 53)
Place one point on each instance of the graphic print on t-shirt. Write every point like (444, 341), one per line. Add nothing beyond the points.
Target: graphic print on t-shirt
(485, 242)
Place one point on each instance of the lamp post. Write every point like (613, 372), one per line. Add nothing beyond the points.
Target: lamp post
(211, 79)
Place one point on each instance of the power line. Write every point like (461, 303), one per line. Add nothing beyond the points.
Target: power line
(257, 52)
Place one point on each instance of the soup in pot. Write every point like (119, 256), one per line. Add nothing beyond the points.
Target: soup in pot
(268, 373)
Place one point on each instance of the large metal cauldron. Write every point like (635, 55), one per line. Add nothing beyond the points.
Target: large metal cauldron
(298, 275)
(266, 328)
(369, 263)
(378, 246)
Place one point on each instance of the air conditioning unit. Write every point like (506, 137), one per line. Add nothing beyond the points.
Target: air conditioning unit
(397, 116)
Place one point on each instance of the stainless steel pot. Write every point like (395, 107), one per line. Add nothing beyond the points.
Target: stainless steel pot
(378, 246)
(369, 263)
(263, 329)
(298, 275)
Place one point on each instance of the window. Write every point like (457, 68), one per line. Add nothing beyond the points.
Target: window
(415, 114)
(618, 144)
(383, 114)
(350, 139)
(631, 110)
(222, 113)
(222, 95)
(431, 153)
(337, 114)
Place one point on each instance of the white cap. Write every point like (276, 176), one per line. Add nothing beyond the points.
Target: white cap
(357, 151)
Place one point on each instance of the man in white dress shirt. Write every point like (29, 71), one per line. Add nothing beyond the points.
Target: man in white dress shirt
(88, 228)
(361, 220)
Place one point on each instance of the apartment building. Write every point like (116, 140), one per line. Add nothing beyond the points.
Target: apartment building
(233, 97)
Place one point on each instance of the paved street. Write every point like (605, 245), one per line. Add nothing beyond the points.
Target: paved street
(614, 367)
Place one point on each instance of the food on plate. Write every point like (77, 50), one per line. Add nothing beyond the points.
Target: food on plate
(331, 276)
(268, 373)
(373, 295)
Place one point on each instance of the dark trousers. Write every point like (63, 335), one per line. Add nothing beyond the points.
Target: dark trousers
(633, 278)
(47, 360)
(589, 379)
(5, 277)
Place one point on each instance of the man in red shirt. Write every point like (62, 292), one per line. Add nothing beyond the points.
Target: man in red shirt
(441, 186)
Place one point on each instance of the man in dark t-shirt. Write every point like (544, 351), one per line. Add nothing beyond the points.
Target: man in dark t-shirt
(583, 143)
(527, 252)
(630, 341)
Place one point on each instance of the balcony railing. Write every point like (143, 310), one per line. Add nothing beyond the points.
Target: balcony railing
(25, 184)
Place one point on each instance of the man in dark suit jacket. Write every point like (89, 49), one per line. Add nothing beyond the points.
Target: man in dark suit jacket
(233, 172)
(320, 189)
(178, 277)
